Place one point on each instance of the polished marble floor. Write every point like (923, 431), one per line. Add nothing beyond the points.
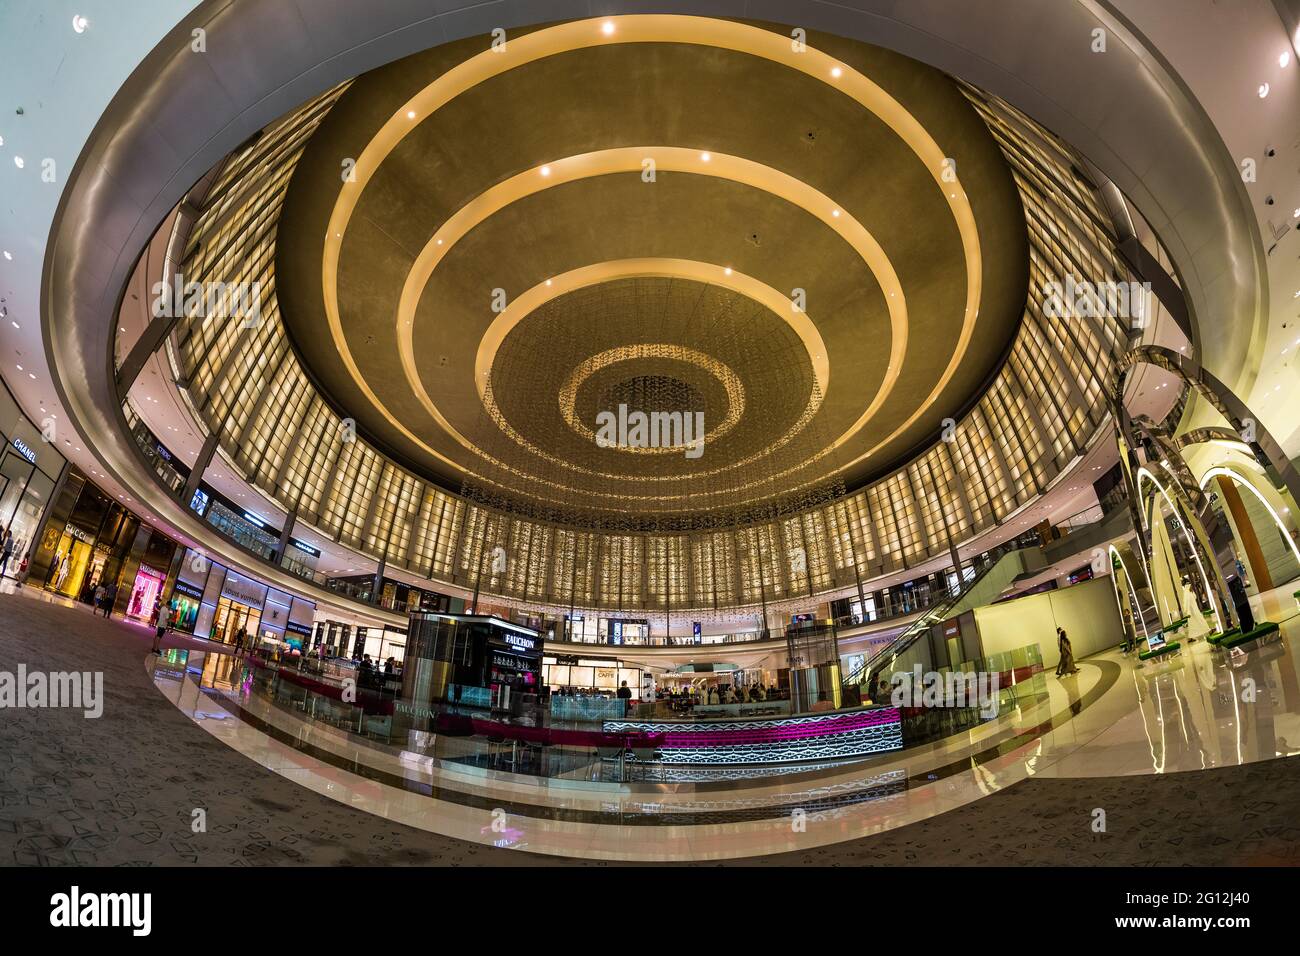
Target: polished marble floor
(1199, 710)
(1178, 755)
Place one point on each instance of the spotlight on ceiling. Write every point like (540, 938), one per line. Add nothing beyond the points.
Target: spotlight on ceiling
(607, 27)
(836, 72)
(79, 23)
(705, 157)
(1263, 90)
(410, 114)
(18, 161)
(8, 254)
(546, 170)
(1284, 59)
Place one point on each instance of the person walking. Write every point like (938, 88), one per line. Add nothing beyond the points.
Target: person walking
(1065, 667)
(6, 551)
(110, 598)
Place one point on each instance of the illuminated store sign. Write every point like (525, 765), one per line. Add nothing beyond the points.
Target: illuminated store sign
(254, 519)
(305, 548)
(245, 592)
(519, 641)
(183, 587)
(24, 449)
(79, 534)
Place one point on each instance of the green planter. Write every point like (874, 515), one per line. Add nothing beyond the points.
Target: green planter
(1268, 627)
(1219, 638)
(1167, 649)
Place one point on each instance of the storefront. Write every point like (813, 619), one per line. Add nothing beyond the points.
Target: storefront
(239, 609)
(88, 545)
(589, 675)
(211, 601)
(30, 468)
(75, 563)
(473, 660)
(145, 592)
(184, 606)
(297, 636)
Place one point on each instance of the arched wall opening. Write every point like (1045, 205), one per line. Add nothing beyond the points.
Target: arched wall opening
(1263, 525)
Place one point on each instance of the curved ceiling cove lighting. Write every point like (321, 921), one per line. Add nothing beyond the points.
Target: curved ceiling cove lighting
(655, 29)
(585, 312)
(556, 286)
(630, 159)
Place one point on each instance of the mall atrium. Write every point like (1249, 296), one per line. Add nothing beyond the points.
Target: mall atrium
(613, 432)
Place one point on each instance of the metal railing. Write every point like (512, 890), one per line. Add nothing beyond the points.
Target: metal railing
(935, 613)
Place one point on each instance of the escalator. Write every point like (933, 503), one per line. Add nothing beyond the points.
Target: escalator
(989, 582)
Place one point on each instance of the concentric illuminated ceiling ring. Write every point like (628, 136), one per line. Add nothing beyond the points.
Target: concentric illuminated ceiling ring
(536, 297)
(729, 380)
(722, 34)
(629, 159)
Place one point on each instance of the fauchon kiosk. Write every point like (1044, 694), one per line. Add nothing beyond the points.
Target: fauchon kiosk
(468, 661)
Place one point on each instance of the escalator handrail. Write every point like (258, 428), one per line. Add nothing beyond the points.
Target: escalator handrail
(935, 612)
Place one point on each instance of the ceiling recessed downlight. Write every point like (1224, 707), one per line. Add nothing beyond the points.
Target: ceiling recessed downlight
(79, 23)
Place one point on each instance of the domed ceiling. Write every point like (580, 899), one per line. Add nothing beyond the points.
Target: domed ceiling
(815, 250)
